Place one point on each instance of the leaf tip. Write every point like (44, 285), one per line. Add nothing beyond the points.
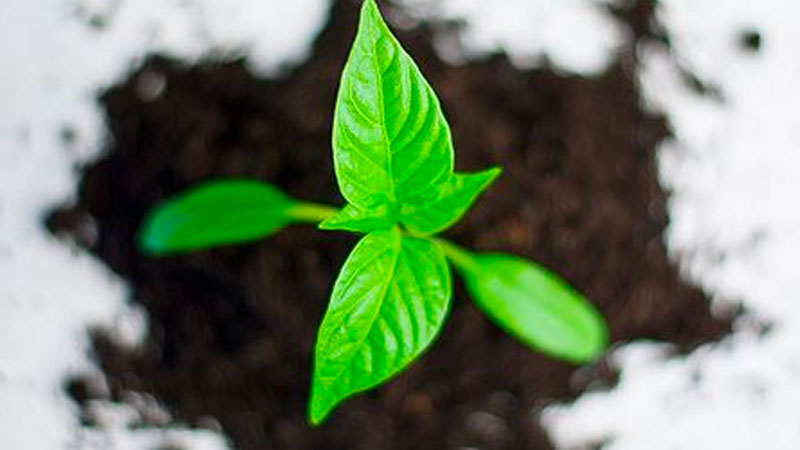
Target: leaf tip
(601, 342)
(493, 173)
(489, 176)
(315, 418)
(371, 14)
(148, 240)
(328, 224)
(595, 346)
(369, 7)
(318, 410)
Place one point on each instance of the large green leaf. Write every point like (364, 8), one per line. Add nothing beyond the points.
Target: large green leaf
(391, 143)
(217, 213)
(533, 304)
(387, 306)
(453, 200)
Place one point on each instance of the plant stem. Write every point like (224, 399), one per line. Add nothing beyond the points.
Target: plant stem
(312, 212)
(461, 258)
(316, 213)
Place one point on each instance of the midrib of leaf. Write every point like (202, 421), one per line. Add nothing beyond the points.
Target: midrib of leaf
(350, 282)
(386, 288)
(386, 142)
(414, 328)
(390, 145)
(405, 78)
(403, 303)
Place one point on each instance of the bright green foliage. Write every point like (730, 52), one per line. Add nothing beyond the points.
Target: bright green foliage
(219, 213)
(388, 304)
(452, 201)
(391, 142)
(393, 158)
(352, 218)
(534, 305)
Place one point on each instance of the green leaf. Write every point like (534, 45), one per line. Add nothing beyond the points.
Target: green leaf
(391, 143)
(387, 306)
(351, 218)
(533, 304)
(454, 199)
(218, 213)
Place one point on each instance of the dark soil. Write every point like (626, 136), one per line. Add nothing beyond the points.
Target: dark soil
(232, 330)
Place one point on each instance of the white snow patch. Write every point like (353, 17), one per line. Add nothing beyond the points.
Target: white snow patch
(735, 229)
(120, 428)
(577, 36)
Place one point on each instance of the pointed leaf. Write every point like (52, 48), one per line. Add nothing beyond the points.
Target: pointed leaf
(390, 138)
(387, 306)
(351, 218)
(534, 305)
(216, 213)
(453, 200)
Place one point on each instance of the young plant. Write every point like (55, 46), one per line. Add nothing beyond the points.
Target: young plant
(393, 158)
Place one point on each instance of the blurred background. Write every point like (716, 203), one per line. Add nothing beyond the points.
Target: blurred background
(650, 157)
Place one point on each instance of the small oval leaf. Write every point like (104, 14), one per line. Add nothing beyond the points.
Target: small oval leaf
(216, 213)
(387, 306)
(535, 306)
(390, 137)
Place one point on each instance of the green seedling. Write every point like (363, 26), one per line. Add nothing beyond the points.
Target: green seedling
(393, 158)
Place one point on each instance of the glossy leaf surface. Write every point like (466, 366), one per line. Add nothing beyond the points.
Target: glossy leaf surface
(351, 218)
(453, 200)
(391, 142)
(535, 305)
(387, 306)
(217, 213)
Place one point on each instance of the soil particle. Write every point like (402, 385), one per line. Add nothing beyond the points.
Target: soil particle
(232, 329)
(751, 40)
